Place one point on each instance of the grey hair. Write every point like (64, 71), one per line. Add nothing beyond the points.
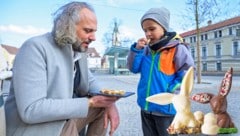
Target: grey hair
(65, 20)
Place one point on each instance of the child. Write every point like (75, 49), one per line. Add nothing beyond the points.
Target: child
(162, 60)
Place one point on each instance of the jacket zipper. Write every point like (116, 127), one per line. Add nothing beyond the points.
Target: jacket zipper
(150, 80)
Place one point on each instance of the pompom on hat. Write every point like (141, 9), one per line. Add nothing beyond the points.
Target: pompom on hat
(160, 15)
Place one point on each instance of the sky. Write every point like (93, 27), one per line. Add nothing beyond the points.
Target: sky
(22, 19)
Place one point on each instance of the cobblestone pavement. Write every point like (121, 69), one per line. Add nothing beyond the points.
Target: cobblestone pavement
(130, 124)
(129, 111)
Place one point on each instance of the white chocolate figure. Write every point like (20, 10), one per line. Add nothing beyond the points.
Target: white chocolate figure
(210, 126)
(184, 121)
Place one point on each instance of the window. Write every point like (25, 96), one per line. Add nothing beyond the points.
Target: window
(193, 53)
(215, 34)
(204, 52)
(219, 66)
(194, 39)
(190, 39)
(218, 50)
(202, 38)
(237, 32)
(220, 33)
(230, 30)
(235, 48)
(205, 66)
(206, 36)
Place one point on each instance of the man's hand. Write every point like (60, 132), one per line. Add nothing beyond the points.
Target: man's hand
(111, 114)
(102, 101)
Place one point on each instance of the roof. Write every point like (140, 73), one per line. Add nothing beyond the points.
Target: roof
(122, 51)
(10, 49)
(215, 26)
(92, 52)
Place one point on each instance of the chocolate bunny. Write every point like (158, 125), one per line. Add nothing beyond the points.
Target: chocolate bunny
(218, 102)
(184, 121)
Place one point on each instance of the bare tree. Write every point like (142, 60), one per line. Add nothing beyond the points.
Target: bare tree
(203, 10)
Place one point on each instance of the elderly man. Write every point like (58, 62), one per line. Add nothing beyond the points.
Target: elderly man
(51, 83)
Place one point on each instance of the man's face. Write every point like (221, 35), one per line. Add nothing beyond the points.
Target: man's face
(86, 29)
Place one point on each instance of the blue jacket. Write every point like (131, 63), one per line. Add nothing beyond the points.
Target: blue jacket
(161, 71)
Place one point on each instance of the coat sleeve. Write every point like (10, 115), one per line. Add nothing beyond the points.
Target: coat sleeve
(134, 59)
(39, 97)
(183, 58)
(183, 61)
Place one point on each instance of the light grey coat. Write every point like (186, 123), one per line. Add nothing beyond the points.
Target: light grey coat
(40, 98)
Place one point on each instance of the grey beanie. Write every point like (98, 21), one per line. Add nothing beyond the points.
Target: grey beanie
(160, 15)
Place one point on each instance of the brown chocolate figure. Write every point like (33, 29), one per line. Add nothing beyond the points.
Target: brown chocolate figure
(219, 102)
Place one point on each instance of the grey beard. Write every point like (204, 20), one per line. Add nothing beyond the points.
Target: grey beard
(77, 47)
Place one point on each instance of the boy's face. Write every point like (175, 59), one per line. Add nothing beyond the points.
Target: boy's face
(153, 30)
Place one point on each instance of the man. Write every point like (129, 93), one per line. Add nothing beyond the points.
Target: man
(41, 100)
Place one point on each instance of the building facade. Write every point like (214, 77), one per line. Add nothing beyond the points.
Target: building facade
(219, 45)
(94, 59)
(7, 56)
(116, 54)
